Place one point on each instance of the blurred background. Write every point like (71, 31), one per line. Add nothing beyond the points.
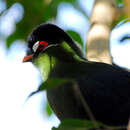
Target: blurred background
(18, 80)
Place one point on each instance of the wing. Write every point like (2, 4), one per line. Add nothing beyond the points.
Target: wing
(108, 95)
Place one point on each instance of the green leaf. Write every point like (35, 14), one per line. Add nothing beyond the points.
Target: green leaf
(69, 1)
(9, 3)
(49, 84)
(74, 124)
(69, 128)
(48, 109)
(78, 125)
(17, 35)
(119, 2)
(76, 37)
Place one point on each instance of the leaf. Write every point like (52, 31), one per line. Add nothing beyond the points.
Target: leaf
(9, 3)
(49, 84)
(76, 37)
(119, 2)
(48, 109)
(17, 35)
(51, 9)
(74, 124)
(69, 128)
(78, 125)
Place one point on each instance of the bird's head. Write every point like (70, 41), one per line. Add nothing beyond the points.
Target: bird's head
(47, 36)
(49, 45)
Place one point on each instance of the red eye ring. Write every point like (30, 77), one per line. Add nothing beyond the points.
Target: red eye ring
(44, 44)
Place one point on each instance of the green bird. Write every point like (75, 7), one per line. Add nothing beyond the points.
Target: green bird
(100, 91)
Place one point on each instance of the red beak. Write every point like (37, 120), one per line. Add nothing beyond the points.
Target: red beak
(27, 58)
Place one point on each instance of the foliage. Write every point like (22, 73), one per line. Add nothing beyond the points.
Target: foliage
(78, 125)
(35, 13)
(48, 109)
(42, 11)
(119, 2)
(73, 124)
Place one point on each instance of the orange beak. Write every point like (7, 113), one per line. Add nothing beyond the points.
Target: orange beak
(27, 58)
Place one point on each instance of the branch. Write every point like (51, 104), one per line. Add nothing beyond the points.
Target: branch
(104, 14)
(127, 8)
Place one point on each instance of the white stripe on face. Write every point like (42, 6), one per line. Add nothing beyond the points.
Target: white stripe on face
(35, 46)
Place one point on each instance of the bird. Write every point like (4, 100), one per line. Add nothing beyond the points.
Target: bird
(104, 88)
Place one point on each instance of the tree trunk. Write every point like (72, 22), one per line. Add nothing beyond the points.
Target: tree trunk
(127, 8)
(104, 14)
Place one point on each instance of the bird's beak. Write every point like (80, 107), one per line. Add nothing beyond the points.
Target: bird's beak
(27, 58)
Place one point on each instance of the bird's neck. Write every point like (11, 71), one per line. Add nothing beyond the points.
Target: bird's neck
(56, 60)
(53, 66)
(64, 53)
(61, 61)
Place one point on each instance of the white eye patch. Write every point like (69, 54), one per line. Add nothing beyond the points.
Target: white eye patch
(35, 46)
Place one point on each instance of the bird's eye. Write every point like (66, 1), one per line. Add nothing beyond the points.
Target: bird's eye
(39, 45)
(42, 45)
